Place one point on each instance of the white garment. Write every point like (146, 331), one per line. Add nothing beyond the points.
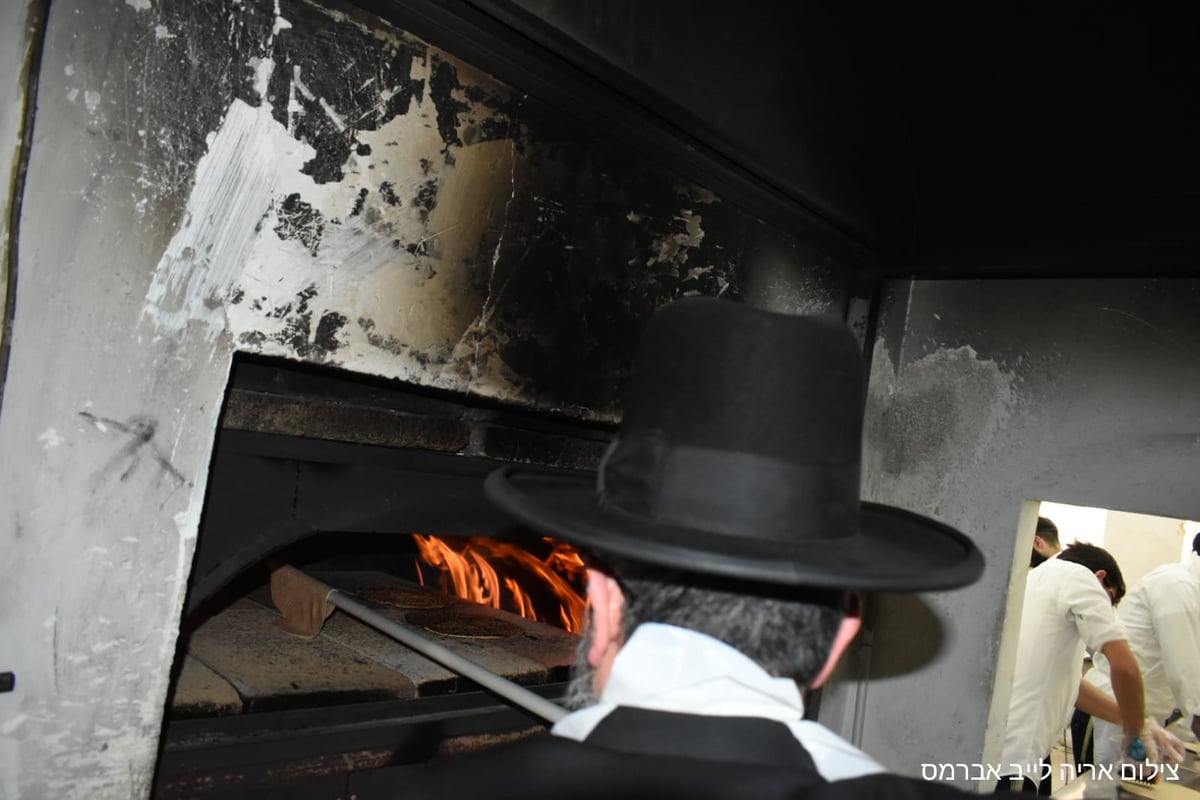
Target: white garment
(1161, 615)
(666, 668)
(1065, 609)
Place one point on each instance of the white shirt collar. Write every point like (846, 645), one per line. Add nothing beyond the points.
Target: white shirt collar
(665, 668)
(671, 669)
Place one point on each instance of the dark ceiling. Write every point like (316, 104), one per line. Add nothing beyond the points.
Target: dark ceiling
(964, 139)
(1056, 137)
(990, 138)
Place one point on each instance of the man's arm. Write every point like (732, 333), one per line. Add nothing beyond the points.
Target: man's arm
(1095, 702)
(1126, 679)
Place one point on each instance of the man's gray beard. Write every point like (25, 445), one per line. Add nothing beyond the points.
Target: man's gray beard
(581, 691)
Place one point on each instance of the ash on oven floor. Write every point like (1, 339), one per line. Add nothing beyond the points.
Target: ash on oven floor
(239, 661)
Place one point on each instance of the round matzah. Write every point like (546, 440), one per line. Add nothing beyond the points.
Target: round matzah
(403, 597)
(463, 624)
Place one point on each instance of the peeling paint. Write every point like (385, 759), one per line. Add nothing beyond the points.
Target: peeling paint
(673, 248)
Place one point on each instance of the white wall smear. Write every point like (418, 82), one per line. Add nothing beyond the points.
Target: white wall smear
(403, 311)
(235, 182)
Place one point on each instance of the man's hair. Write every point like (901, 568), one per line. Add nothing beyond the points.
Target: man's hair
(1096, 559)
(1196, 544)
(1048, 531)
(789, 632)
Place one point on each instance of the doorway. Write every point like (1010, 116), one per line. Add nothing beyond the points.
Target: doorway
(1138, 542)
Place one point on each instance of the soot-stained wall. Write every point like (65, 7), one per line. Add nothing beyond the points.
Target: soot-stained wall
(802, 122)
(275, 177)
(987, 394)
(371, 190)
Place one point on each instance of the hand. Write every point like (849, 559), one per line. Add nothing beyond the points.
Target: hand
(1169, 746)
(1139, 750)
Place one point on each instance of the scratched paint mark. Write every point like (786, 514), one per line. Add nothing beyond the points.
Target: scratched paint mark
(1166, 335)
(140, 431)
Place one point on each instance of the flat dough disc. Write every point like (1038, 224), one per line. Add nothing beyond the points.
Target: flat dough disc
(463, 625)
(403, 597)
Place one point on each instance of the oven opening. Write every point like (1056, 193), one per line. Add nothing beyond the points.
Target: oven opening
(376, 491)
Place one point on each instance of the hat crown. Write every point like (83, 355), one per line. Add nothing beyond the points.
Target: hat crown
(742, 423)
(713, 374)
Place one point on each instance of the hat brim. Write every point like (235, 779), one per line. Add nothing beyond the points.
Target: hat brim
(894, 551)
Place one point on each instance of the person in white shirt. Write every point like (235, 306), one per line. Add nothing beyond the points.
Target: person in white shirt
(1045, 542)
(1161, 616)
(1068, 605)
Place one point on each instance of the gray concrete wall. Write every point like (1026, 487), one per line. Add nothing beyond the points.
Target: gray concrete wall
(988, 394)
(272, 177)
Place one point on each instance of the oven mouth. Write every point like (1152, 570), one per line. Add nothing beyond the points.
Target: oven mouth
(374, 489)
(304, 451)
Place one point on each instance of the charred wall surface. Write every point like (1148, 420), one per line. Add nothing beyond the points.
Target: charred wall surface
(304, 182)
(367, 201)
(802, 120)
(987, 394)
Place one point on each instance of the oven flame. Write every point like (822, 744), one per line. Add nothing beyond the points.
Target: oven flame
(503, 575)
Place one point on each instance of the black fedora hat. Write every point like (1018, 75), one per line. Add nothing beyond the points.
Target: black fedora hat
(738, 456)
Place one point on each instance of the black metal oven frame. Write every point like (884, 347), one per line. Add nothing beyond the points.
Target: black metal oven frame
(305, 451)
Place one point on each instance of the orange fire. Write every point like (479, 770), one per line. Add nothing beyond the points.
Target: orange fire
(528, 583)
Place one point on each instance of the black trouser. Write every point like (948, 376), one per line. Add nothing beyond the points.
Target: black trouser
(1040, 787)
(1085, 756)
(1015, 784)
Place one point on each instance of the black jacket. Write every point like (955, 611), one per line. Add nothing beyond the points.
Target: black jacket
(634, 753)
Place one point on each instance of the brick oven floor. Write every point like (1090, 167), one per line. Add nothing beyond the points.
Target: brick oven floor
(239, 662)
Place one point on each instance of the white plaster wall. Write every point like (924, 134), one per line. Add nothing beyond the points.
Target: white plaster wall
(106, 443)
(1142, 542)
(985, 395)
